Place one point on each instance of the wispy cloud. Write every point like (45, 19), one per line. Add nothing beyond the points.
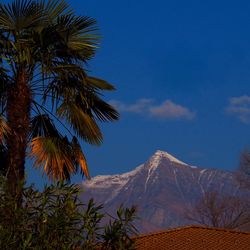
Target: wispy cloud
(171, 110)
(240, 107)
(166, 110)
(138, 107)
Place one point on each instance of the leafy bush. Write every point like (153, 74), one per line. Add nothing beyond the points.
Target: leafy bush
(117, 232)
(56, 219)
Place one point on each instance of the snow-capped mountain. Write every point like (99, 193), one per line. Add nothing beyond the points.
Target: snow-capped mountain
(163, 189)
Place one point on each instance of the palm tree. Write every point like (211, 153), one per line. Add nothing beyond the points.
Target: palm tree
(47, 98)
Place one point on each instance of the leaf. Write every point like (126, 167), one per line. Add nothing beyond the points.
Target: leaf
(79, 157)
(103, 111)
(99, 83)
(84, 125)
(42, 125)
(21, 14)
(54, 155)
(56, 8)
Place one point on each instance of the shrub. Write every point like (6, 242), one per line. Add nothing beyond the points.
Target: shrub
(56, 219)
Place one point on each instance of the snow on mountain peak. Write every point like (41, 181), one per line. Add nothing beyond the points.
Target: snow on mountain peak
(154, 162)
(161, 154)
(101, 181)
(118, 181)
(114, 182)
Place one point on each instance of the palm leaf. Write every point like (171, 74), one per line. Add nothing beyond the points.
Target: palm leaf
(21, 14)
(99, 83)
(69, 39)
(56, 8)
(58, 157)
(102, 110)
(79, 157)
(79, 36)
(82, 123)
(54, 155)
(83, 91)
(42, 125)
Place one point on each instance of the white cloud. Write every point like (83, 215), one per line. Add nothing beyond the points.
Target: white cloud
(171, 110)
(166, 110)
(241, 100)
(240, 107)
(139, 106)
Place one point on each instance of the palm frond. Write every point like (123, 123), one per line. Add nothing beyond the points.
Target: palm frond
(79, 34)
(58, 157)
(103, 111)
(82, 91)
(21, 14)
(82, 123)
(69, 39)
(79, 157)
(56, 8)
(73, 39)
(54, 155)
(99, 83)
(42, 125)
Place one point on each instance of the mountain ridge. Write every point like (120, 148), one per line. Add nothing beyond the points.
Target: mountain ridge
(162, 188)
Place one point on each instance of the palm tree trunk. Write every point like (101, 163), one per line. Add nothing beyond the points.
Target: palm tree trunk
(18, 118)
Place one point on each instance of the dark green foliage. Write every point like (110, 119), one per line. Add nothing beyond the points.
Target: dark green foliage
(56, 219)
(117, 232)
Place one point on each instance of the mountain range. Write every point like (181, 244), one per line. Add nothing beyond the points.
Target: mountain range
(163, 189)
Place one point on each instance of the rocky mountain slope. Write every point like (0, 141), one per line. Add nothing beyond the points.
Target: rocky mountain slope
(163, 189)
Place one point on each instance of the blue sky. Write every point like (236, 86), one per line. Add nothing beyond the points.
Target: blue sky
(182, 73)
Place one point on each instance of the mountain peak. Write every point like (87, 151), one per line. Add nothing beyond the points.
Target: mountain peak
(162, 188)
(162, 154)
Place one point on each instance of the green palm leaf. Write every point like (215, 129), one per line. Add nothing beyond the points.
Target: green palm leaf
(56, 8)
(42, 125)
(103, 111)
(99, 83)
(84, 125)
(20, 15)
